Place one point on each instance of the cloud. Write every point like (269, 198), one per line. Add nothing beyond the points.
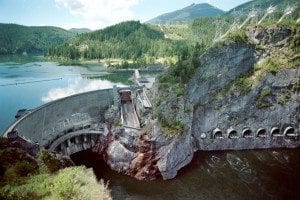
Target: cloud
(99, 13)
(78, 86)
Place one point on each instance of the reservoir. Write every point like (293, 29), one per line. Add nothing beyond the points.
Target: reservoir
(28, 82)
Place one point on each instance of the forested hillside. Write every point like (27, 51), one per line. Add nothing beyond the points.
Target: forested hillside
(126, 40)
(17, 39)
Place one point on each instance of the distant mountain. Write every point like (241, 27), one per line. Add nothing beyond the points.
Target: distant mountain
(262, 5)
(80, 30)
(187, 14)
(18, 39)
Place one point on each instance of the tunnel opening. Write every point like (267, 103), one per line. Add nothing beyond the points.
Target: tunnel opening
(232, 133)
(247, 133)
(217, 133)
(261, 133)
(289, 131)
(275, 132)
(94, 160)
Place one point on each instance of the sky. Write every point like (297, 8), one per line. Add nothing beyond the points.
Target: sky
(93, 14)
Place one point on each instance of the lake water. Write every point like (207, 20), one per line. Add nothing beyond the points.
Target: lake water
(261, 174)
(28, 82)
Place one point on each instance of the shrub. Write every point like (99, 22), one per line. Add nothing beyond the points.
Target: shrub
(296, 87)
(69, 183)
(244, 85)
(48, 162)
(272, 66)
(262, 101)
(171, 128)
(11, 155)
(284, 96)
(238, 36)
(18, 171)
(64, 186)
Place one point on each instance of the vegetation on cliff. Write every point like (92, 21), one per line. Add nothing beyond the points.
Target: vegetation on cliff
(26, 177)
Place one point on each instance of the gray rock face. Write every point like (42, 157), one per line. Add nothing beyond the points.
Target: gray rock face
(119, 158)
(220, 66)
(271, 35)
(133, 157)
(231, 113)
(172, 154)
(243, 111)
(270, 103)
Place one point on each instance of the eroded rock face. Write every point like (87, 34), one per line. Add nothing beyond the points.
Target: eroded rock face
(149, 154)
(119, 157)
(175, 155)
(244, 111)
(220, 66)
(270, 35)
(133, 153)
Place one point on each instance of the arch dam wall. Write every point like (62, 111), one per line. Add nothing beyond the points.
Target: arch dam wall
(51, 121)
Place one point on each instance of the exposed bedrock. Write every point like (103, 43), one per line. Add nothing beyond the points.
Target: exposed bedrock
(219, 66)
(149, 154)
(240, 113)
(224, 117)
(271, 35)
(272, 102)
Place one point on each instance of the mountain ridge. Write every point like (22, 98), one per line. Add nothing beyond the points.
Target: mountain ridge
(187, 14)
(260, 5)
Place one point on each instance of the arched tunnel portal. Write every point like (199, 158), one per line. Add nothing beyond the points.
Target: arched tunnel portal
(76, 142)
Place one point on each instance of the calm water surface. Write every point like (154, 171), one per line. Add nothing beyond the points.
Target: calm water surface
(264, 174)
(259, 174)
(28, 82)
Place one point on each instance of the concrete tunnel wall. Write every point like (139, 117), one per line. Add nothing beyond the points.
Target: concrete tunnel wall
(248, 132)
(37, 125)
(277, 136)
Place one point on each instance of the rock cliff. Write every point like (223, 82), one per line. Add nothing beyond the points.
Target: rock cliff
(238, 87)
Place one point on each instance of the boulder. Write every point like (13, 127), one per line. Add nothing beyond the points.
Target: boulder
(118, 157)
(173, 154)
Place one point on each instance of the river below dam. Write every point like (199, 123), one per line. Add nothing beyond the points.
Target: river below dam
(28, 82)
